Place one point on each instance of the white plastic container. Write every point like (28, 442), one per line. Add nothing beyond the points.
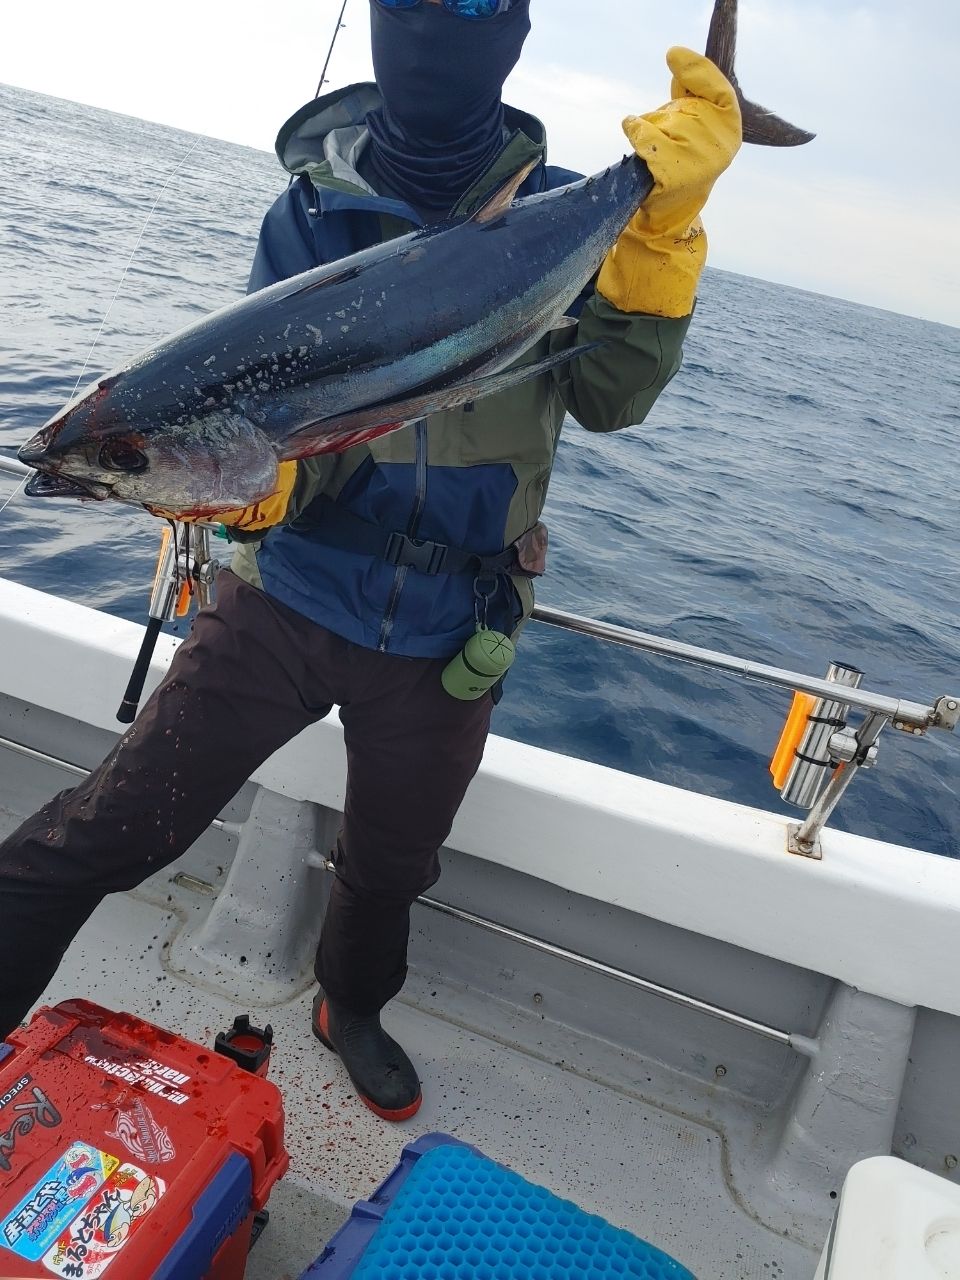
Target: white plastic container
(894, 1222)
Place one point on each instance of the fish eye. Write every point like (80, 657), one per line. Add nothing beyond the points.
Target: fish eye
(122, 455)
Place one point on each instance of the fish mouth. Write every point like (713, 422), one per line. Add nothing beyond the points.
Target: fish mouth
(48, 481)
(48, 484)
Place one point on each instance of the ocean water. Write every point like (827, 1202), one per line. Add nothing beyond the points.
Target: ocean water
(791, 499)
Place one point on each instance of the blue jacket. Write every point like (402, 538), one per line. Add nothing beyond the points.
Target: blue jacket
(473, 478)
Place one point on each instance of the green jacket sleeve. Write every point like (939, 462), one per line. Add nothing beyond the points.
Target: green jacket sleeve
(616, 385)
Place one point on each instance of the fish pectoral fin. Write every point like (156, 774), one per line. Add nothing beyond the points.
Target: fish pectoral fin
(504, 196)
(330, 435)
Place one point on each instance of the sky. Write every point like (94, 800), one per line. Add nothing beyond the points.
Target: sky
(869, 211)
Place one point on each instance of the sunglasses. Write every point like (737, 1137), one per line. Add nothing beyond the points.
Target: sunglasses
(477, 10)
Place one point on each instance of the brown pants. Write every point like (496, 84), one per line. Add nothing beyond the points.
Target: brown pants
(251, 675)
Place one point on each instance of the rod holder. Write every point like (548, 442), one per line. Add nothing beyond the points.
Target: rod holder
(185, 572)
(809, 773)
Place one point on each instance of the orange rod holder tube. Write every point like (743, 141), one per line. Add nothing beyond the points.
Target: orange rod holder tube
(800, 711)
(808, 772)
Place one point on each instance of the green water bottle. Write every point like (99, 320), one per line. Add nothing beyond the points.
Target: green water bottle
(483, 660)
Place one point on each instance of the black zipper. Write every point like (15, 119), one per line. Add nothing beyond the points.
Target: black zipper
(386, 625)
(413, 524)
(420, 495)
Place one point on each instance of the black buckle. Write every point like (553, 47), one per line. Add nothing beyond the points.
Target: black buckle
(425, 557)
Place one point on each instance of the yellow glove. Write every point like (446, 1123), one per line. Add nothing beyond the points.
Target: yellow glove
(655, 265)
(259, 515)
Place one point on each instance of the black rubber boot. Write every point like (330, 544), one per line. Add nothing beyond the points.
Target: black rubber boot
(382, 1074)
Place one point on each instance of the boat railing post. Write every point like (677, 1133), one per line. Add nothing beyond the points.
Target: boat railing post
(804, 838)
(812, 756)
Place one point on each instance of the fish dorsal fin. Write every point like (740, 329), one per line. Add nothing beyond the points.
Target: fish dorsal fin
(504, 196)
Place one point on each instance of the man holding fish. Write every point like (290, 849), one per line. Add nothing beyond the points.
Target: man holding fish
(370, 570)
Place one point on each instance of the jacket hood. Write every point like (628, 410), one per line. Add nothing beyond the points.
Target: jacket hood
(331, 131)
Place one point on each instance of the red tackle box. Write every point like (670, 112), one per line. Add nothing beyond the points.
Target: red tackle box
(119, 1140)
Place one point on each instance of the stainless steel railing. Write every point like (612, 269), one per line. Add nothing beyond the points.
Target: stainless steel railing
(910, 714)
(817, 782)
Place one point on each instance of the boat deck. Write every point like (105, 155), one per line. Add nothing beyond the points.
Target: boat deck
(527, 1091)
(633, 994)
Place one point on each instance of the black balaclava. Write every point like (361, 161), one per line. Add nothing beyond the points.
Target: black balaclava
(441, 76)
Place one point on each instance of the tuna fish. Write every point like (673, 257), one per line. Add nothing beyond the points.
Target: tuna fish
(199, 423)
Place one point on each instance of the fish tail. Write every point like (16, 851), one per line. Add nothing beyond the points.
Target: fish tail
(760, 126)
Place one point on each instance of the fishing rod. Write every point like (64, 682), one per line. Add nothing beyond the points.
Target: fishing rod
(185, 572)
(191, 570)
(336, 31)
(186, 566)
(184, 576)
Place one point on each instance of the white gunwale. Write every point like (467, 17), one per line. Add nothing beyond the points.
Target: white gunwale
(877, 916)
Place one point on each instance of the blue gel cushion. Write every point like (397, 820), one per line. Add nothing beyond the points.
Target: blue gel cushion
(459, 1216)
